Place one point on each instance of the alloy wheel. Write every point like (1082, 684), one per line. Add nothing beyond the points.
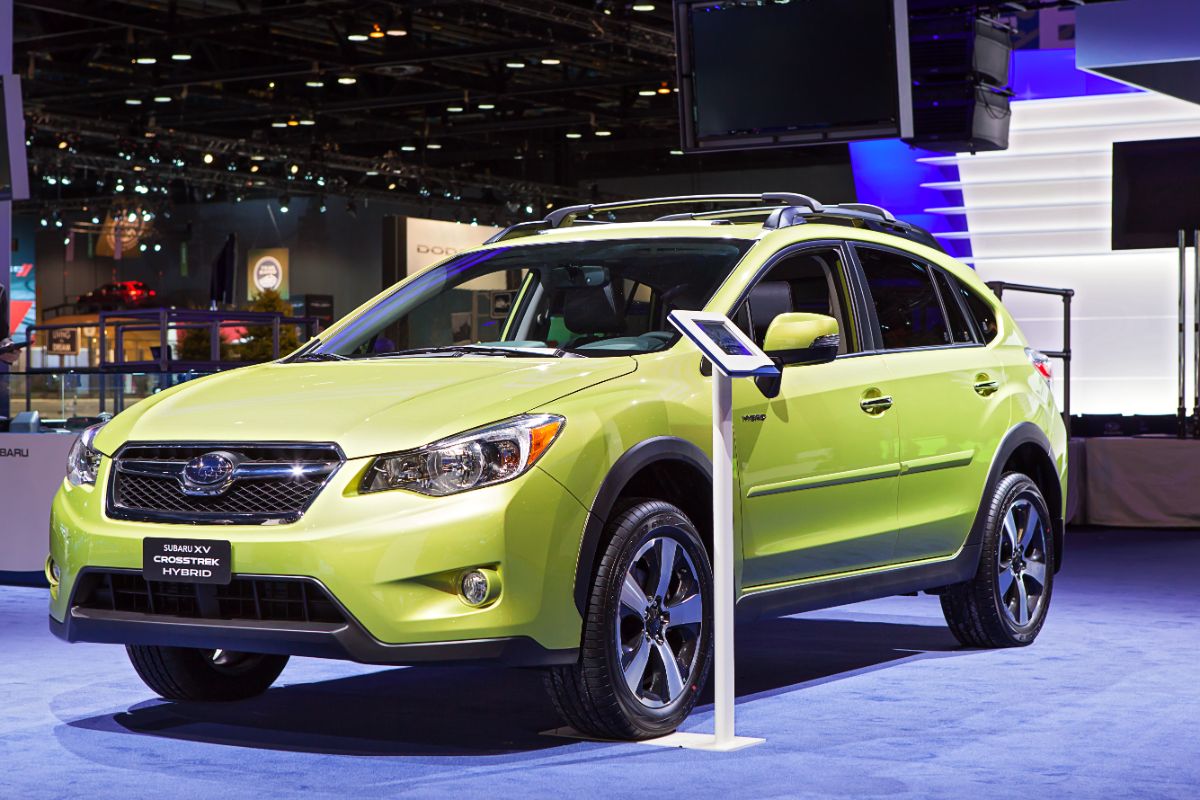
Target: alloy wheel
(659, 621)
(1021, 566)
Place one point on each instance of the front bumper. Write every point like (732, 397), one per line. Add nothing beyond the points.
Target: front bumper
(391, 561)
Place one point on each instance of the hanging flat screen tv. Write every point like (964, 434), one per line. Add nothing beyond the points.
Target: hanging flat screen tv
(1155, 193)
(781, 74)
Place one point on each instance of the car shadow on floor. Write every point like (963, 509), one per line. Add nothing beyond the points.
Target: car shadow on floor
(465, 711)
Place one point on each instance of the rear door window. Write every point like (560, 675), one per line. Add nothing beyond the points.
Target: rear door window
(905, 302)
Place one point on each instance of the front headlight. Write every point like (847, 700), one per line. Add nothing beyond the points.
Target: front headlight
(83, 462)
(470, 460)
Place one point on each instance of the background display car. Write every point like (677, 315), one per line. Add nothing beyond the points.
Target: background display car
(545, 499)
(114, 296)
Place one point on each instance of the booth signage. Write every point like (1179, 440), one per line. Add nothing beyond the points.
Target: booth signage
(63, 342)
(267, 271)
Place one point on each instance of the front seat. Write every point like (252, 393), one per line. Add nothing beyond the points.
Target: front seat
(593, 313)
(767, 300)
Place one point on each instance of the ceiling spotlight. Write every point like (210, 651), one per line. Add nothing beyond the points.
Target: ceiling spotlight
(294, 168)
(254, 168)
(157, 247)
(603, 133)
(95, 220)
(322, 208)
(162, 98)
(132, 101)
(285, 203)
(181, 56)
(131, 217)
(376, 32)
(314, 83)
(486, 106)
(574, 135)
(63, 144)
(433, 146)
(145, 60)
(515, 64)
(663, 89)
(142, 247)
(293, 122)
(347, 80)
(392, 185)
(357, 37)
(551, 62)
(208, 158)
(120, 187)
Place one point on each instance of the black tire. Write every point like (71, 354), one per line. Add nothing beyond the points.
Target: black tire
(185, 673)
(593, 696)
(986, 610)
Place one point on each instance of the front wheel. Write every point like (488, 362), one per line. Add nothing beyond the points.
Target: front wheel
(185, 673)
(1005, 604)
(647, 638)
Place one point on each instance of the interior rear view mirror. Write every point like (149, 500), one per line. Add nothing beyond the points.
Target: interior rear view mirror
(801, 338)
(577, 277)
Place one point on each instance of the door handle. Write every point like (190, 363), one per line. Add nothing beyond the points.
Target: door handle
(875, 403)
(985, 385)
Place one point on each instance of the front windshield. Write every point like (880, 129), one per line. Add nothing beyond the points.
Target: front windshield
(599, 298)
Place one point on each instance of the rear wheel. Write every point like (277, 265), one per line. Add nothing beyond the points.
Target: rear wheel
(1005, 604)
(185, 673)
(647, 639)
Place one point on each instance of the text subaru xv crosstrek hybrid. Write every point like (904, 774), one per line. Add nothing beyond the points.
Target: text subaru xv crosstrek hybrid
(539, 494)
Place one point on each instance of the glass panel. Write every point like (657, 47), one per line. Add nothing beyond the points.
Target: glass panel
(960, 328)
(600, 298)
(908, 310)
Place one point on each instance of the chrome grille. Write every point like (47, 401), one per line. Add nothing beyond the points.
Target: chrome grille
(271, 483)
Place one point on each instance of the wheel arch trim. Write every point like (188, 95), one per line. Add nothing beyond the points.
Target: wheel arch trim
(632, 461)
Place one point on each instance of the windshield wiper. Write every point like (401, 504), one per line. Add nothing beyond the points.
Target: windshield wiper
(458, 350)
(320, 357)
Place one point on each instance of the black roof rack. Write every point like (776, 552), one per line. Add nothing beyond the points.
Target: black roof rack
(780, 210)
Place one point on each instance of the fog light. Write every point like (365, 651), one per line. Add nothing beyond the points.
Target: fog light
(479, 587)
(53, 575)
(474, 587)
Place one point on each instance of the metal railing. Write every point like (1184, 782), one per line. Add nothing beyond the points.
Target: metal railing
(1000, 287)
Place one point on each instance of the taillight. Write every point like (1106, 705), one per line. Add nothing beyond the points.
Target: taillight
(1041, 362)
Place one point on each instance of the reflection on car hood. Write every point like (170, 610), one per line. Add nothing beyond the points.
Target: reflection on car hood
(367, 407)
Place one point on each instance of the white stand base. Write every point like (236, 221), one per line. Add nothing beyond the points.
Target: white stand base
(703, 741)
(679, 739)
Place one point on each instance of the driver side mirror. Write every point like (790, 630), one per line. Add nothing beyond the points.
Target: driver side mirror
(802, 339)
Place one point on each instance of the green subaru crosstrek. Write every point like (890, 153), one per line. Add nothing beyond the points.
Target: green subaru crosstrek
(506, 458)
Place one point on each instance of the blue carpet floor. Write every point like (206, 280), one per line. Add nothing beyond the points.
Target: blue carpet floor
(872, 700)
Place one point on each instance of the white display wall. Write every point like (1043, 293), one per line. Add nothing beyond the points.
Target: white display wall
(1040, 213)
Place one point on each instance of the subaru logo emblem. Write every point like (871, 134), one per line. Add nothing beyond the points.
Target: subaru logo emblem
(209, 473)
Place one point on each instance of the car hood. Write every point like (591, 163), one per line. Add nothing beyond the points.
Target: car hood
(366, 407)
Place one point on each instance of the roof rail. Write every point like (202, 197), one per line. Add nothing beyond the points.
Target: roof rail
(781, 209)
(569, 214)
(869, 208)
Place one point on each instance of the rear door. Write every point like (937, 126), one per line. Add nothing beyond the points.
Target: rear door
(817, 472)
(947, 394)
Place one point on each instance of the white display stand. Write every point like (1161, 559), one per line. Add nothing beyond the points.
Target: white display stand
(733, 355)
(32, 466)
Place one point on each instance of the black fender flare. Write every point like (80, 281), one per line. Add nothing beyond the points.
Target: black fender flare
(1021, 434)
(631, 462)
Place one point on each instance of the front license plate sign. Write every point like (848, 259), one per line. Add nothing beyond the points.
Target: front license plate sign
(187, 560)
